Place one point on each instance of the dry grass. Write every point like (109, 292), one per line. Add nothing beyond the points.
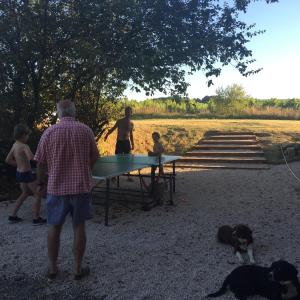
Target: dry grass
(273, 113)
(178, 135)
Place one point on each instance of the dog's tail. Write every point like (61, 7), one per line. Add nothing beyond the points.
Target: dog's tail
(221, 291)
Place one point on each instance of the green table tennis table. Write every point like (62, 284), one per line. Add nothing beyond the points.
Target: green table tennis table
(108, 167)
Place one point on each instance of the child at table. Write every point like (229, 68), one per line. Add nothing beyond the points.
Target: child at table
(158, 150)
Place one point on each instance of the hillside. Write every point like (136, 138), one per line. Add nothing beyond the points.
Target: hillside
(178, 135)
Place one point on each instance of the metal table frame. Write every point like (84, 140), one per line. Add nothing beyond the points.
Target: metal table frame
(108, 167)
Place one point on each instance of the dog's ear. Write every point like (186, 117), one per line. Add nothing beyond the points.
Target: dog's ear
(249, 229)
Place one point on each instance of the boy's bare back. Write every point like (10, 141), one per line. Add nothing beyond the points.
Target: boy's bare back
(21, 154)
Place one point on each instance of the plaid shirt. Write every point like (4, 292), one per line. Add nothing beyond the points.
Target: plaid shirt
(68, 148)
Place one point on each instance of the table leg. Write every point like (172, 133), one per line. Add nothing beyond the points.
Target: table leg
(152, 179)
(141, 185)
(107, 201)
(174, 174)
(171, 189)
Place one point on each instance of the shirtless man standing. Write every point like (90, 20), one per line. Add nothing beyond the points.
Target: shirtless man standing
(125, 141)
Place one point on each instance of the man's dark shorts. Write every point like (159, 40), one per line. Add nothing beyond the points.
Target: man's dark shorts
(123, 147)
(24, 177)
(58, 207)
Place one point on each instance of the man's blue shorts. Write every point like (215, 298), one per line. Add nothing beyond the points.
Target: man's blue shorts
(79, 207)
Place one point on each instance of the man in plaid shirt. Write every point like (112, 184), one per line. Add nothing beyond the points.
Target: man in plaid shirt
(67, 151)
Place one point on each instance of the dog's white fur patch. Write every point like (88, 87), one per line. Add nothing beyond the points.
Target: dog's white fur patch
(250, 254)
(239, 256)
(292, 290)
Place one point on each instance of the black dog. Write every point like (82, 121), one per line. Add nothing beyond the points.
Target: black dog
(286, 275)
(245, 281)
(240, 238)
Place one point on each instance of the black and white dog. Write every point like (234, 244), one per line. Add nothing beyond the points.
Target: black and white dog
(278, 282)
(286, 275)
(240, 238)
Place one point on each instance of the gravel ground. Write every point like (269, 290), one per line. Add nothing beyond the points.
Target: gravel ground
(166, 253)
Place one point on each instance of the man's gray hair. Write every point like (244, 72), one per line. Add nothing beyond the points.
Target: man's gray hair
(66, 108)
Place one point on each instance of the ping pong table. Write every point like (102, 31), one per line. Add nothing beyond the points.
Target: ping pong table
(108, 167)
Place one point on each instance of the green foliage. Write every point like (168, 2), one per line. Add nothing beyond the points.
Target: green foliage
(280, 103)
(92, 49)
(167, 105)
(231, 100)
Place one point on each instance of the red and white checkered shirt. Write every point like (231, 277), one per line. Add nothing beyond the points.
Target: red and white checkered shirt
(68, 148)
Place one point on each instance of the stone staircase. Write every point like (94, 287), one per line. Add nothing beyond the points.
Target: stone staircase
(226, 150)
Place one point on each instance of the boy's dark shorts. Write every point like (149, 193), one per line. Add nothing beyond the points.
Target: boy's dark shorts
(58, 207)
(24, 177)
(123, 147)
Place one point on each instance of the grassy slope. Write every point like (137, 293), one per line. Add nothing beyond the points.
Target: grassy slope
(178, 135)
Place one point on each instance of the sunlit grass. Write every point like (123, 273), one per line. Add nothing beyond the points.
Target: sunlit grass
(179, 135)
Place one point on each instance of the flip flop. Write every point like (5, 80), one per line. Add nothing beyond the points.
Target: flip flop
(84, 273)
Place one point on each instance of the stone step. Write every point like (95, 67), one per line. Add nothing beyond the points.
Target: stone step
(222, 166)
(230, 142)
(228, 150)
(233, 133)
(232, 137)
(226, 147)
(239, 153)
(218, 159)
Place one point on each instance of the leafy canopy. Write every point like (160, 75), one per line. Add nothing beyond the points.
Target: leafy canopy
(94, 49)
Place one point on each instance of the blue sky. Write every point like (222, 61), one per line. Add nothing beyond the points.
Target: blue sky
(277, 51)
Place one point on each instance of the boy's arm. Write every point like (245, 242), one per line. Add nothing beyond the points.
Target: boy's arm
(111, 130)
(162, 149)
(131, 138)
(151, 153)
(28, 153)
(41, 158)
(10, 159)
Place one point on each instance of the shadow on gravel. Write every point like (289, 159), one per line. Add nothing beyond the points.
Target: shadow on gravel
(23, 287)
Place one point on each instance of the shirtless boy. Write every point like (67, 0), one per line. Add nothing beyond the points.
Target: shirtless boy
(19, 156)
(125, 141)
(158, 150)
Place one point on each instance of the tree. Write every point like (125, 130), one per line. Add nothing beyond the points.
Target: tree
(93, 49)
(230, 100)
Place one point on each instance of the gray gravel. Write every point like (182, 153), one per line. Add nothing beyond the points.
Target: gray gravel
(166, 253)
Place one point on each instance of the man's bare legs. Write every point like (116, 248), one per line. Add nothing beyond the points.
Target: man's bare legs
(79, 245)
(25, 193)
(53, 247)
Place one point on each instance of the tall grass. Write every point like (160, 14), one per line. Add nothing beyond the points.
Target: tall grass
(273, 113)
(263, 109)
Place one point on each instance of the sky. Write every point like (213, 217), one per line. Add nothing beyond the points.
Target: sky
(277, 51)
